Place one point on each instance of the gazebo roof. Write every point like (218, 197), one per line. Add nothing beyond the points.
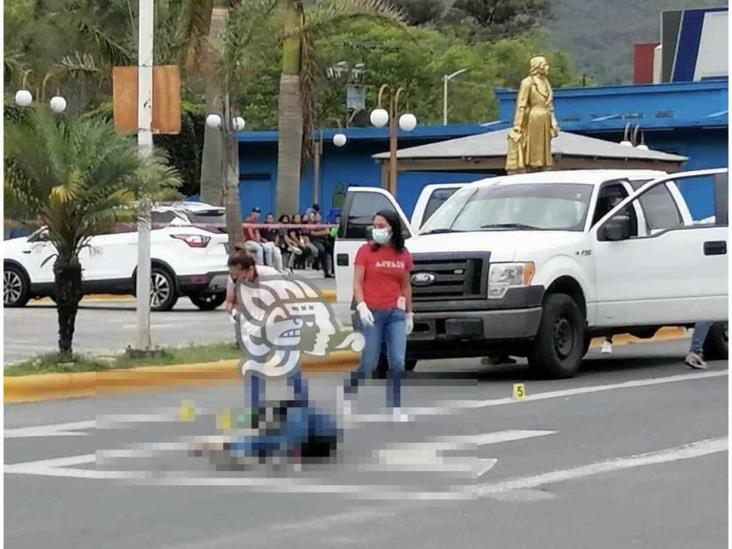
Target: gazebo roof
(494, 145)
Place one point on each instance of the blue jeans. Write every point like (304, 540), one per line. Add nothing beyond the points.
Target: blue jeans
(701, 329)
(257, 387)
(390, 327)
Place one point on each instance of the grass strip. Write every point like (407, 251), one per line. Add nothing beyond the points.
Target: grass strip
(53, 363)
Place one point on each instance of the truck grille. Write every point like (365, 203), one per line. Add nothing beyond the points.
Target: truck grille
(451, 276)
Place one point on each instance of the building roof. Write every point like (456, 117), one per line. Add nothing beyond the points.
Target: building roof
(495, 144)
(380, 134)
(651, 107)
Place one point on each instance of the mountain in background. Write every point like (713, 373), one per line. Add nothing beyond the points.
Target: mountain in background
(600, 34)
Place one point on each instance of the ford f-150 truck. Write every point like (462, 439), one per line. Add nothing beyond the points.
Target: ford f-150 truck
(535, 265)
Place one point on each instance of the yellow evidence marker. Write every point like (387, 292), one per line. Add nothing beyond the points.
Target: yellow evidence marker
(224, 420)
(519, 391)
(187, 411)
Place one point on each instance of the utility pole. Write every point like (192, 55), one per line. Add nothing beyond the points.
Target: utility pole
(145, 61)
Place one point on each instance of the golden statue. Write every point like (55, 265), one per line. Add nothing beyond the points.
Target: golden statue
(534, 125)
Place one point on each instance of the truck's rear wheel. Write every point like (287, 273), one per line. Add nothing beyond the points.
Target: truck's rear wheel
(559, 345)
(716, 345)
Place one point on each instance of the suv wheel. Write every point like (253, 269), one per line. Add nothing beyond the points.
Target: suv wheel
(163, 293)
(207, 302)
(558, 347)
(16, 287)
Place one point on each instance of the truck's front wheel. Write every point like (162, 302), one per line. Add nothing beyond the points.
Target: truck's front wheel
(558, 347)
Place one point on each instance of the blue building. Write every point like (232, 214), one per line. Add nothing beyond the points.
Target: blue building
(688, 119)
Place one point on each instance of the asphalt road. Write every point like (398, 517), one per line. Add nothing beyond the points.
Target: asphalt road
(630, 453)
(108, 328)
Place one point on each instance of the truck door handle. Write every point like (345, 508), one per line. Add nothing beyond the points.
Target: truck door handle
(715, 247)
(26, 251)
(342, 260)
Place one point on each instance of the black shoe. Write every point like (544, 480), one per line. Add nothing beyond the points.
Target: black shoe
(329, 275)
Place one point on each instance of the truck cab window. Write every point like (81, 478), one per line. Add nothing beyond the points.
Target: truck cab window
(660, 209)
(361, 213)
(610, 196)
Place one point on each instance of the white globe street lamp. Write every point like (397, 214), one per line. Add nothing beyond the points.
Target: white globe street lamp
(407, 122)
(58, 104)
(379, 117)
(23, 98)
(340, 139)
(213, 121)
(239, 124)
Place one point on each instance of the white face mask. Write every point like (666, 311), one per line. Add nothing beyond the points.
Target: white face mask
(381, 236)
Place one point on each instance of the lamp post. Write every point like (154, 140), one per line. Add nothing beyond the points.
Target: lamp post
(145, 61)
(24, 97)
(445, 79)
(406, 121)
(229, 127)
(339, 140)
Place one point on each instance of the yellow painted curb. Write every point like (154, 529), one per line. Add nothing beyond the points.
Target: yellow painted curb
(34, 388)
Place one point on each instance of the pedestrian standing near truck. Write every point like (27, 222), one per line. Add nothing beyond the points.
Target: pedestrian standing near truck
(383, 296)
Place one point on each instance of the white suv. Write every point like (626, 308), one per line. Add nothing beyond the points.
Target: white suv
(187, 260)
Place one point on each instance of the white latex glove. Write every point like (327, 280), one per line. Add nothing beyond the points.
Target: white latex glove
(410, 323)
(367, 317)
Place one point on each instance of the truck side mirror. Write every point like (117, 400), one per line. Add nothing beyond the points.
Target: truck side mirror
(615, 229)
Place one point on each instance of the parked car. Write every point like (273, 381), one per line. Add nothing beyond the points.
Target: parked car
(187, 261)
(190, 213)
(535, 265)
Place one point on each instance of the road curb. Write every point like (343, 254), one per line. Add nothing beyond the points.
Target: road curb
(36, 388)
(329, 295)
(41, 387)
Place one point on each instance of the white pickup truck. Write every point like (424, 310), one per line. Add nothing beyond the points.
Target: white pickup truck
(535, 265)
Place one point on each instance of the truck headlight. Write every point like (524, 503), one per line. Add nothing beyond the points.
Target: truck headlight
(503, 276)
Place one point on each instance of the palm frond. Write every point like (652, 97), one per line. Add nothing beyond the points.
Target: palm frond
(332, 12)
(76, 175)
(115, 52)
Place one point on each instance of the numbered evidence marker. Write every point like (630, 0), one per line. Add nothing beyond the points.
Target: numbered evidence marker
(519, 391)
(187, 411)
(224, 420)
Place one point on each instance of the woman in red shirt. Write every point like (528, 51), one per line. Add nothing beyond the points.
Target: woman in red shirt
(383, 295)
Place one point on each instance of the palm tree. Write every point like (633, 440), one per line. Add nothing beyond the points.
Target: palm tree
(76, 177)
(297, 109)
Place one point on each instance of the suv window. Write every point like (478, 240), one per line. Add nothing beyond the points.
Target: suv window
(363, 207)
(436, 199)
(660, 209)
(162, 218)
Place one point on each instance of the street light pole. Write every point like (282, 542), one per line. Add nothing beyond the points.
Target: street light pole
(145, 144)
(445, 79)
(407, 122)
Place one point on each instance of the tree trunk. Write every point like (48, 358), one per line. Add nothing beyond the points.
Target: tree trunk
(212, 173)
(232, 201)
(290, 120)
(67, 275)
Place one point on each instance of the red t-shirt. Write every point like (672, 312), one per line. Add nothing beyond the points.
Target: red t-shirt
(384, 273)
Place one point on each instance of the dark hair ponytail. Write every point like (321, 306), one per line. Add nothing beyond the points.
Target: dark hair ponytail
(243, 261)
(397, 234)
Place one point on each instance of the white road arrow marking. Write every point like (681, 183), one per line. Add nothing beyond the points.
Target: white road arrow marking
(429, 456)
(58, 430)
